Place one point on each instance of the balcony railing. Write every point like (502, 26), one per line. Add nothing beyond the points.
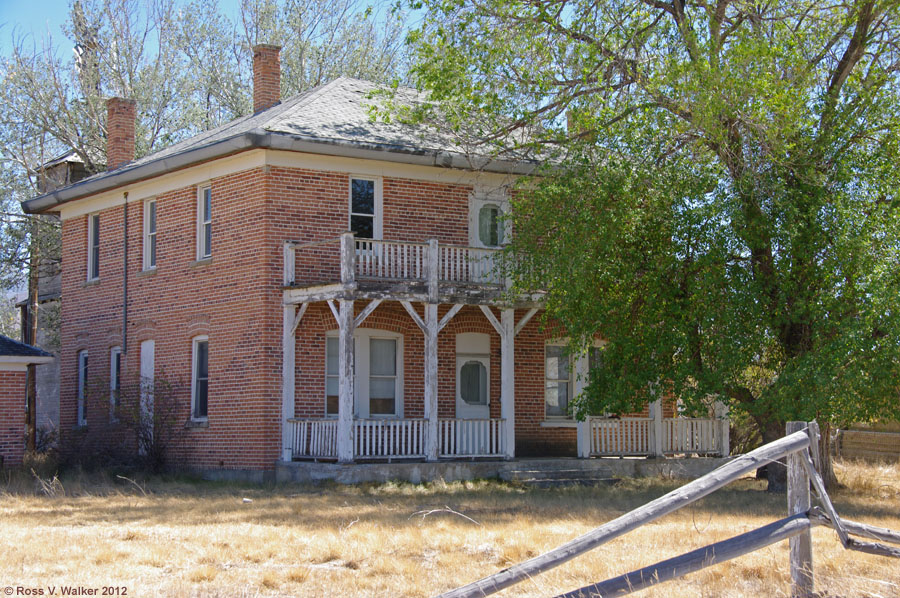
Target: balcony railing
(397, 438)
(633, 436)
(347, 259)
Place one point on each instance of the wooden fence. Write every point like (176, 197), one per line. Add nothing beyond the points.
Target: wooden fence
(872, 445)
(798, 446)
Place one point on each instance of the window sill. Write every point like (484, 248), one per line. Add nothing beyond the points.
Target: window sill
(147, 272)
(201, 262)
(559, 423)
(90, 283)
(80, 427)
(196, 423)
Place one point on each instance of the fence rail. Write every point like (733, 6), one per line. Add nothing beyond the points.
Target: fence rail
(314, 438)
(620, 436)
(801, 517)
(373, 438)
(691, 435)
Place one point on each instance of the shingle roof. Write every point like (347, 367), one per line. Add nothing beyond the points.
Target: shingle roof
(333, 119)
(13, 348)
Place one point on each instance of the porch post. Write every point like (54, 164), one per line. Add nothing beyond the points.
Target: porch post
(657, 432)
(345, 382)
(721, 411)
(508, 379)
(288, 369)
(583, 428)
(431, 382)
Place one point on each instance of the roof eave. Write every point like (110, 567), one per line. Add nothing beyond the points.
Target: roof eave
(260, 139)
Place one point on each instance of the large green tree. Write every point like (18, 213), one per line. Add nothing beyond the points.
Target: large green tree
(722, 197)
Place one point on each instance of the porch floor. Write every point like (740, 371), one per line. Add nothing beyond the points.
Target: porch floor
(449, 471)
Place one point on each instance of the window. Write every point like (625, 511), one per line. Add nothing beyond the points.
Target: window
(200, 379)
(82, 387)
(377, 370)
(490, 225)
(558, 384)
(204, 223)
(473, 383)
(115, 382)
(383, 376)
(365, 208)
(149, 234)
(93, 266)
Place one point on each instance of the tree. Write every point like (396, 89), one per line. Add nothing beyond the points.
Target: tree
(721, 202)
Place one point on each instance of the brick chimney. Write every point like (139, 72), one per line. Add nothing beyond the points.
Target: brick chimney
(119, 132)
(266, 76)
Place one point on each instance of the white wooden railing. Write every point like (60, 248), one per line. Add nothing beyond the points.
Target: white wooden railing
(314, 438)
(388, 438)
(347, 259)
(691, 435)
(620, 436)
(471, 438)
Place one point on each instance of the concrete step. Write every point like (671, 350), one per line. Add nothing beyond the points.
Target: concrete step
(554, 478)
(560, 483)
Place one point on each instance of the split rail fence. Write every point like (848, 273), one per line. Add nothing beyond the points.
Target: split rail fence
(797, 446)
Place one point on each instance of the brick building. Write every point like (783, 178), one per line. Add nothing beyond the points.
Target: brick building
(15, 357)
(323, 284)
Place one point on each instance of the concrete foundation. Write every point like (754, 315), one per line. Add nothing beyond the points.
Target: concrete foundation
(450, 471)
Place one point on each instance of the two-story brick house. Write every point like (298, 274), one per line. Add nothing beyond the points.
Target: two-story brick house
(325, 283)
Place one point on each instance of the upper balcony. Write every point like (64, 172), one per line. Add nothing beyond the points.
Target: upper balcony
(376, 269)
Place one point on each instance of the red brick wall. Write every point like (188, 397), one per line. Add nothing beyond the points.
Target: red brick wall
(12, 417)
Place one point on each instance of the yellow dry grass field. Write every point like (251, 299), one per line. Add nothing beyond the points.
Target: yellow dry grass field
(173, 537)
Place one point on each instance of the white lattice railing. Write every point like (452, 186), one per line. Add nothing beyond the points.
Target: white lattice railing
(691, 435)
(468, 265)
(471, 438)
(313, 438)
(620, 436)
(377, 438)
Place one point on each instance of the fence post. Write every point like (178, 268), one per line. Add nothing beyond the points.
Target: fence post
(721, 412)
(433, 270)
(657, 431)
(799, 502)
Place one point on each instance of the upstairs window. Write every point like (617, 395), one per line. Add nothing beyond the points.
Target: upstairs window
(365, 208)
(490, 225)
(200, 379)
(150, 234)
(93, 265)
(204, 223)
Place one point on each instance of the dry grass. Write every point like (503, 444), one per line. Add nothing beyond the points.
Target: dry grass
(184, 538)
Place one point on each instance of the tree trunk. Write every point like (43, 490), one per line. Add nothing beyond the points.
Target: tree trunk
(825, 463)
(776, 471)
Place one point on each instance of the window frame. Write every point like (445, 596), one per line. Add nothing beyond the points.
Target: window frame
(150, 246)
(195, 343)
(480, 198)
(203, 252)
(93, 247)
(81, 401)
(378, 220)
(362, 365)
(575, 367)
(115, 382)
(569, 381)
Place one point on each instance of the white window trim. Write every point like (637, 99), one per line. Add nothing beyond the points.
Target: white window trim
(577, 367)
(146, 236)
(112, 381)
(200, 222)
(360, 402)
(194, 342)
(378, 226)
(82, 389)
(477, 200)
(90, 246)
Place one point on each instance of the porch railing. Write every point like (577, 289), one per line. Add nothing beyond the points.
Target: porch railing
(314, 438)
(471, 438)
(346, 259)
(620, 436)
(691, 435)
(377, 438)
(398, 438)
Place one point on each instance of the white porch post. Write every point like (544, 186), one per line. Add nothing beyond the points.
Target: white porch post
(657, 433)
(431, 382)
(721, 412)
(583, 428)
(345, 382)
(288, 369)
(508, 379)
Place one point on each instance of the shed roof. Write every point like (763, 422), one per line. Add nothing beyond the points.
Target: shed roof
(20, 352)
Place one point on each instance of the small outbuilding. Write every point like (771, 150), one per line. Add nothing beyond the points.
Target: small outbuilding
(15, 357)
